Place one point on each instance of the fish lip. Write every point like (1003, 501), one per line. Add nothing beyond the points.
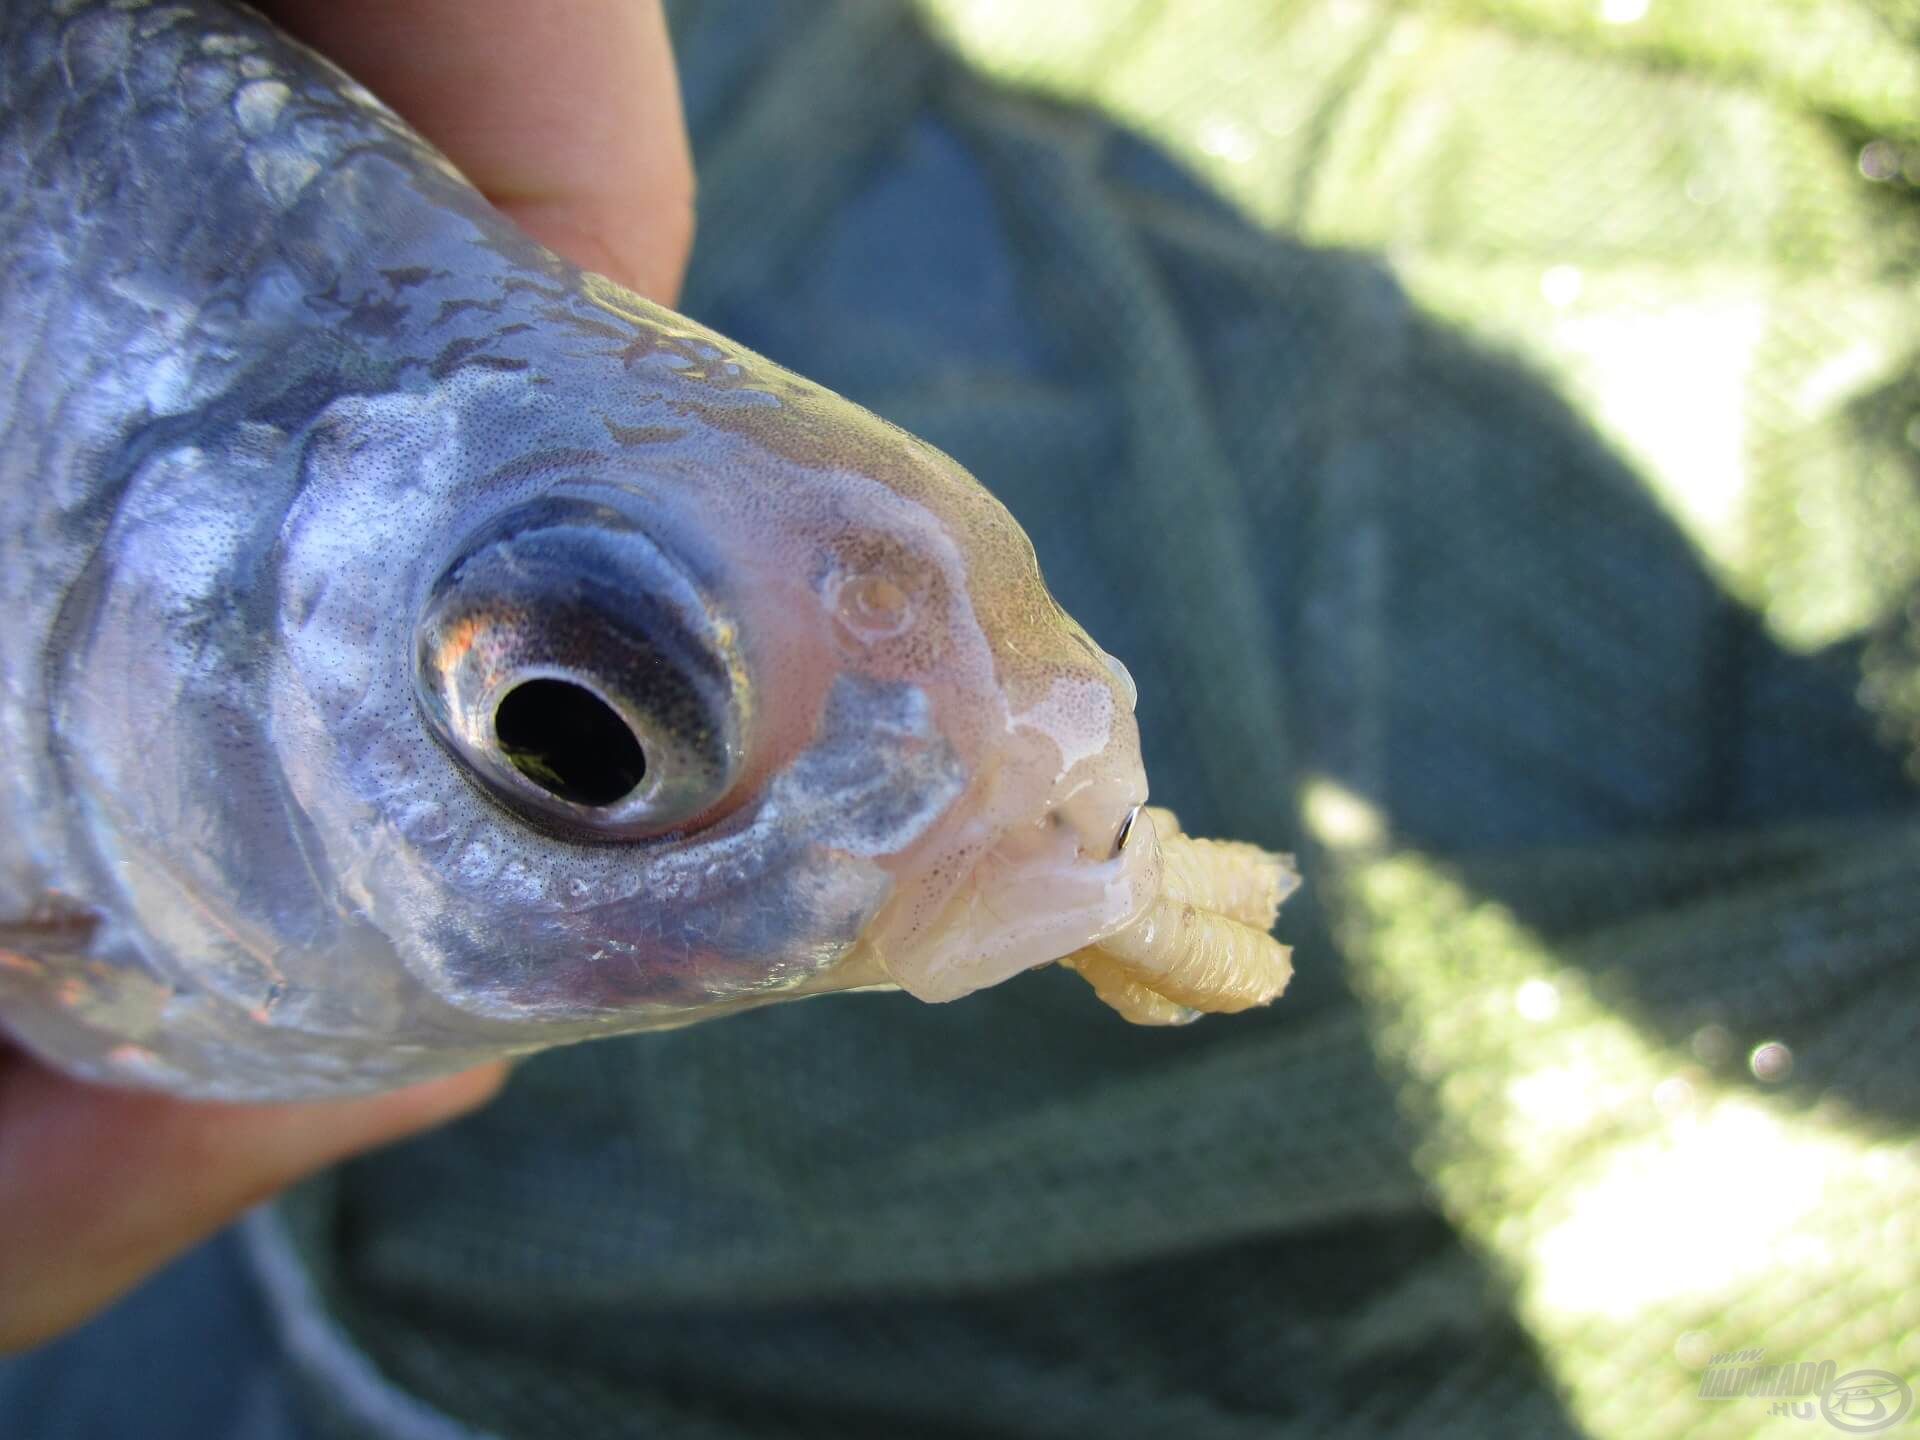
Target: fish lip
(1037, 892)
(1043, 855)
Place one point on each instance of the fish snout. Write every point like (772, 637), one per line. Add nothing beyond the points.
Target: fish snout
(1048, 884)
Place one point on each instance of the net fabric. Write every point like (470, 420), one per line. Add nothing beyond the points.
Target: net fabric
(1644, 195)
(1557, 691)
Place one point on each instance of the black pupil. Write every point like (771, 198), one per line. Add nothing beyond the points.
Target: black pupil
(569, 742)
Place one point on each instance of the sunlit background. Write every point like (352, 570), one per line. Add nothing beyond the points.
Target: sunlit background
(1701, 219)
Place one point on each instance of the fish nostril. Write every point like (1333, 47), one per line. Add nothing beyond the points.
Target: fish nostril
(568, 741)
(1126, 830)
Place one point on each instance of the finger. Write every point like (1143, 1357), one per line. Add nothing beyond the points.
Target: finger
(566, 114)
(99, 1186)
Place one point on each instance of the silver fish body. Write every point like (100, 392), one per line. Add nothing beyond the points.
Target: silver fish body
(414, 650)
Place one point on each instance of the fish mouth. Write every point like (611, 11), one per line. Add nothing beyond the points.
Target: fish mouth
(1085, 867)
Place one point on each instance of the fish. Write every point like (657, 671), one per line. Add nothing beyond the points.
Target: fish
(417, 650)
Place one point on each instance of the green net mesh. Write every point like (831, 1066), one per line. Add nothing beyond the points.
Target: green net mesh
(1700, 216)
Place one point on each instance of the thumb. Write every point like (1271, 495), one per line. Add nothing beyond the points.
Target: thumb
(566, 114)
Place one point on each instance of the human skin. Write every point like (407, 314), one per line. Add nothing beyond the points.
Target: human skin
(567, 116)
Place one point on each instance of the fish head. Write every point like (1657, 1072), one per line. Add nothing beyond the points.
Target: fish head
(637, 696)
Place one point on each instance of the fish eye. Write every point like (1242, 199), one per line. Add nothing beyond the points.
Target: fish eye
(569, 742)
(580, 676)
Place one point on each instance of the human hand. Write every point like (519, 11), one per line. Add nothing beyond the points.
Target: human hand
(567, 115)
